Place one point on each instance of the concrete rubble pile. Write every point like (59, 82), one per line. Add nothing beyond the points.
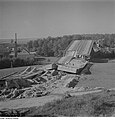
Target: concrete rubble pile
(38, 82)
(36, 85)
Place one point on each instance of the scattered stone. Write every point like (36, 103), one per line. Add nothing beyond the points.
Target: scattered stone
(13, 113)
(81, 89)
(67, 95)
(87, 88)
(98, 88)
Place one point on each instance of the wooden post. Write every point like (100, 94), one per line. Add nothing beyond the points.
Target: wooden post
(15, 45)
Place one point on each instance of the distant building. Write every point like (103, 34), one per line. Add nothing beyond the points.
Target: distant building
(23, 54)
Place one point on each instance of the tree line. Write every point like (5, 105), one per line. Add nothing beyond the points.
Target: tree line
(15, 62)
(55, 46)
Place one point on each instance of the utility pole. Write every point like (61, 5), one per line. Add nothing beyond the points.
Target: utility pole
(15, 48)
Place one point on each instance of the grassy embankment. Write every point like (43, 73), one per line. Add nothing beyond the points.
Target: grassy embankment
(98, 104)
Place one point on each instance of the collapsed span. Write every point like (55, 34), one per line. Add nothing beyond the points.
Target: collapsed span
(76, 55)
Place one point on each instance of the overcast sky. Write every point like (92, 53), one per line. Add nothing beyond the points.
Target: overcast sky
(56, 18)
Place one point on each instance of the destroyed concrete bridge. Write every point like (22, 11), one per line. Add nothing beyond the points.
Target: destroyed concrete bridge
(76, 55)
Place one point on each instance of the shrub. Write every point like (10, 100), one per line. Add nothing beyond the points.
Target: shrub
(5, 63)
(16, 62)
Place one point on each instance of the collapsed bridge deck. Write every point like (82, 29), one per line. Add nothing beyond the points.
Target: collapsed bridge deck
(74, 58)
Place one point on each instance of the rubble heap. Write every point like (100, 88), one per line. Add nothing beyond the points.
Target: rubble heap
(38, 82)
(30, 85)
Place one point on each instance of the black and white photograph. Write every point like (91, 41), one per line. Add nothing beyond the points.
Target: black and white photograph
(57, 58)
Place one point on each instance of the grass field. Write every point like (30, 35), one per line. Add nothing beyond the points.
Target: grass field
(102, 75)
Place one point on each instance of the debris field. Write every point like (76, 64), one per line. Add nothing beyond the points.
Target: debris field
(33, 82)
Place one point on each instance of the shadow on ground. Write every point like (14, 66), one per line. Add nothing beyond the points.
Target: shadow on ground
(99, 60)
(86, 70)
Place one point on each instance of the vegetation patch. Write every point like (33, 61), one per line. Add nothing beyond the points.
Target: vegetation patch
(98, 104)
(8, 63)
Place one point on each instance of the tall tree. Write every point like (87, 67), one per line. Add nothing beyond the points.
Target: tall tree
(30, 45)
